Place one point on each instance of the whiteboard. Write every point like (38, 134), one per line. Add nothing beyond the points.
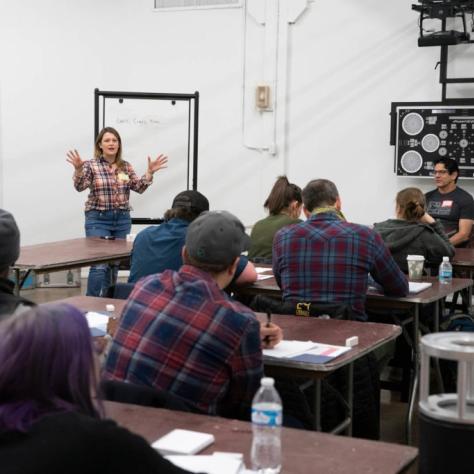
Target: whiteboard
(149, 127)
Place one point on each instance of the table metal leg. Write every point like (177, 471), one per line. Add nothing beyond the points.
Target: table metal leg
(414, 387)
(350, 398)
(317, 405)
(435, 360)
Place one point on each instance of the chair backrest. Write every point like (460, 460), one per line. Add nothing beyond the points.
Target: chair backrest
(264, 303)
(120, 291)
(124, 392)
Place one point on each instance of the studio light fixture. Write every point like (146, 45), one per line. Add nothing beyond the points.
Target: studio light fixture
(444, 12)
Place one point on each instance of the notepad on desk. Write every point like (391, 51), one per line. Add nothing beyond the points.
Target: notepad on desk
(417, 286)
(210, 464)
(183, 442)
(305, 351)
(97, 323)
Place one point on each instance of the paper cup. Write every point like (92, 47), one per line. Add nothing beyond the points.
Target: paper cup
(415, 266)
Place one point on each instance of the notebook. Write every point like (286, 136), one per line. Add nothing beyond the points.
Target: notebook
(417, 286)
(210, 464)
(183, 442)
(97, 323)
(305, 351)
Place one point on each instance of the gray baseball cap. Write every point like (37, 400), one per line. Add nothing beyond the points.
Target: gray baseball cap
(216, 237)
(9, 239)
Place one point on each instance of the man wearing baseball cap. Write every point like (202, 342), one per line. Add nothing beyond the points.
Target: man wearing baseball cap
(181, 333)
(158, 248)
(9, 252)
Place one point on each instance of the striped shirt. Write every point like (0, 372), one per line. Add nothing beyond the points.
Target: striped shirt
(109, 190)
(180, 333)
(328, 260)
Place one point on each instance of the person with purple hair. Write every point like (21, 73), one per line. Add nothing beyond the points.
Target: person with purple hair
(49, 422)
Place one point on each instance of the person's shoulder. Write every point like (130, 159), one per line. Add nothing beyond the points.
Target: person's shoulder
(236, 308)
(432, 193)
(73, 422)
(463, 193)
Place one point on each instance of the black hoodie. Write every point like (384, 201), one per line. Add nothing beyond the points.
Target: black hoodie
(414, 238)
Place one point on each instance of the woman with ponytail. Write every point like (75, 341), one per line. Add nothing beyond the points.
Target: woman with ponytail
(284, 205)
(414, 232)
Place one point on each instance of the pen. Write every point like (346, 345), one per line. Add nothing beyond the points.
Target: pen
(266, 339)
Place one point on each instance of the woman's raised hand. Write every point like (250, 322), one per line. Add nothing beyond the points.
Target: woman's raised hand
(156, 164)
(74, 158)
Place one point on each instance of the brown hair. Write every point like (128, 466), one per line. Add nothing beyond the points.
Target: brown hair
(282, 195)
(411, 203)
(181, 213)
(212, 268)
(98, 150)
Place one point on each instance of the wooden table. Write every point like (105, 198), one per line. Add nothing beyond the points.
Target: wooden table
(327, 331)
(67, 254)
(436, 293)
(302, 451)
(464, 260)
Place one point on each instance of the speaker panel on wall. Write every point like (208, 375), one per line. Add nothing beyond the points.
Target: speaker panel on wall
(423, 133)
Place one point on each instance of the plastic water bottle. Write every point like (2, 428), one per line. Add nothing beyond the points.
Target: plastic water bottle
(445, 271)
(266, 428)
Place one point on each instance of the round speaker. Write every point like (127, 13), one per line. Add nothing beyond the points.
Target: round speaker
(413, 123)
(411, 161)
(430, 143)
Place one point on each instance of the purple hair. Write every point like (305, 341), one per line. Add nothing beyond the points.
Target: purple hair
(47, 365)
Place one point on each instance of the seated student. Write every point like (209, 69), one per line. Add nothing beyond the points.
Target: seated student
(327, 259)
(158, 248)
(284, 205)
(449, 203)
(181, 333)
(48, 420)
(9, 252)
(414, 232)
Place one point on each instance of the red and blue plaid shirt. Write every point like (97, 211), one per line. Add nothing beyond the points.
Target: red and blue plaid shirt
(181, 334)
(328, 260)
(109, 189)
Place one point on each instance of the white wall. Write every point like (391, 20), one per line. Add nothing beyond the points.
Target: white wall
(347, 61)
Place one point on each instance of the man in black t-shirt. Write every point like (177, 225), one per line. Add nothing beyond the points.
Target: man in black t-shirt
(453, 206)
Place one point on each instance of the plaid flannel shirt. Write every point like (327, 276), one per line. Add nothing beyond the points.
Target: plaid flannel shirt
(108, 189)
(328, 260)
(180, 333)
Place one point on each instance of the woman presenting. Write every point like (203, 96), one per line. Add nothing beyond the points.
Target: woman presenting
(109, 179)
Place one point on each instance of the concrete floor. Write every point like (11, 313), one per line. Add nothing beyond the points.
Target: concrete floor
(393, 412)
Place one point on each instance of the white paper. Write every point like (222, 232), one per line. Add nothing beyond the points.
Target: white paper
(289, 349)
(183, 442)
(417, 286)
(263, 277)
(97, 320)
(209, 464)
(286, 349)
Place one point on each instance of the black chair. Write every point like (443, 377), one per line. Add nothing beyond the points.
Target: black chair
(262, 303)
(123, 392)
(119, 291)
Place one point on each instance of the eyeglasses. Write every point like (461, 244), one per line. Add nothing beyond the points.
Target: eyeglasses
(441, 172)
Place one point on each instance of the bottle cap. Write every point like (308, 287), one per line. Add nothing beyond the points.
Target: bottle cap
(267, 382)
(445, 259)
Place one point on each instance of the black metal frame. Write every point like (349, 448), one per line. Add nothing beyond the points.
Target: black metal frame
(155, 96)
(393, 111)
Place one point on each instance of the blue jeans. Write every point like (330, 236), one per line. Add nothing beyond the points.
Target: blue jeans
(98, 224)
